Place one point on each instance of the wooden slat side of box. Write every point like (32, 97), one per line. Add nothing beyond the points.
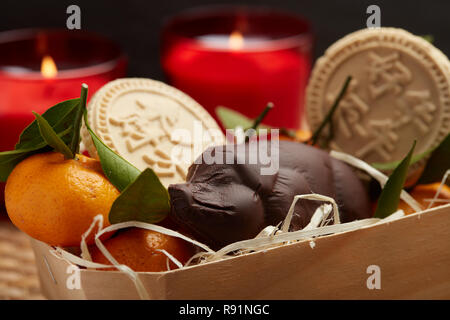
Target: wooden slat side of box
(413, 254)
(53, 274)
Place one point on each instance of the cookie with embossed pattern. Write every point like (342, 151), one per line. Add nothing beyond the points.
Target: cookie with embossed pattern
(400, 91)
(152, 125)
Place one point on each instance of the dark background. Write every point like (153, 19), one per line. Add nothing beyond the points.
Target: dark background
(136, 24)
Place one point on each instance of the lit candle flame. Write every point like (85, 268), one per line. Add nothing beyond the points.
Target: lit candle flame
(236, 40)
(48, 67)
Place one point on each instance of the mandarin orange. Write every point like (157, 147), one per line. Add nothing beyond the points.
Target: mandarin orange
(54, 200)
(422, 193)
(138, 249)
(300, 136)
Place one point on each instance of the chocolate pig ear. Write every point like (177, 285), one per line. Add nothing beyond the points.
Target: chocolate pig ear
(232, 172)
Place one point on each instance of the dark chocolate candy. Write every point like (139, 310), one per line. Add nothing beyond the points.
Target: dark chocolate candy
(223, 203)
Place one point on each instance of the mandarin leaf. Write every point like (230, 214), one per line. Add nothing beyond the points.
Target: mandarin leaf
(145, 199)
(390, 195)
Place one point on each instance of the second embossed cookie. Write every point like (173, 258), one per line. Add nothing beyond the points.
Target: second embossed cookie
(151, 125)
(400, 91)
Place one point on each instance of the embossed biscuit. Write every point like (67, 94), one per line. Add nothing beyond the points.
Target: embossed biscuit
(151, 125)
(400, 92)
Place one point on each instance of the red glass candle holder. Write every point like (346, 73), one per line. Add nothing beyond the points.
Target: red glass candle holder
(39, 68)
(241, 58)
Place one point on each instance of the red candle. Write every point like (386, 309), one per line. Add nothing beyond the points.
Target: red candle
(39, 68)
(241, 59)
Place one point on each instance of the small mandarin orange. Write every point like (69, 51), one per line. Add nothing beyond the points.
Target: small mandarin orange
(422, 193)
(300, 136)
(138, 249)
(54, 200)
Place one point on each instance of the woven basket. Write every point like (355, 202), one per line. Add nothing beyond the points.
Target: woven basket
(18, 275)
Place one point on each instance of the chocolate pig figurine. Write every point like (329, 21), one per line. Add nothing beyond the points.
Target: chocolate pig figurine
(223, 203)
